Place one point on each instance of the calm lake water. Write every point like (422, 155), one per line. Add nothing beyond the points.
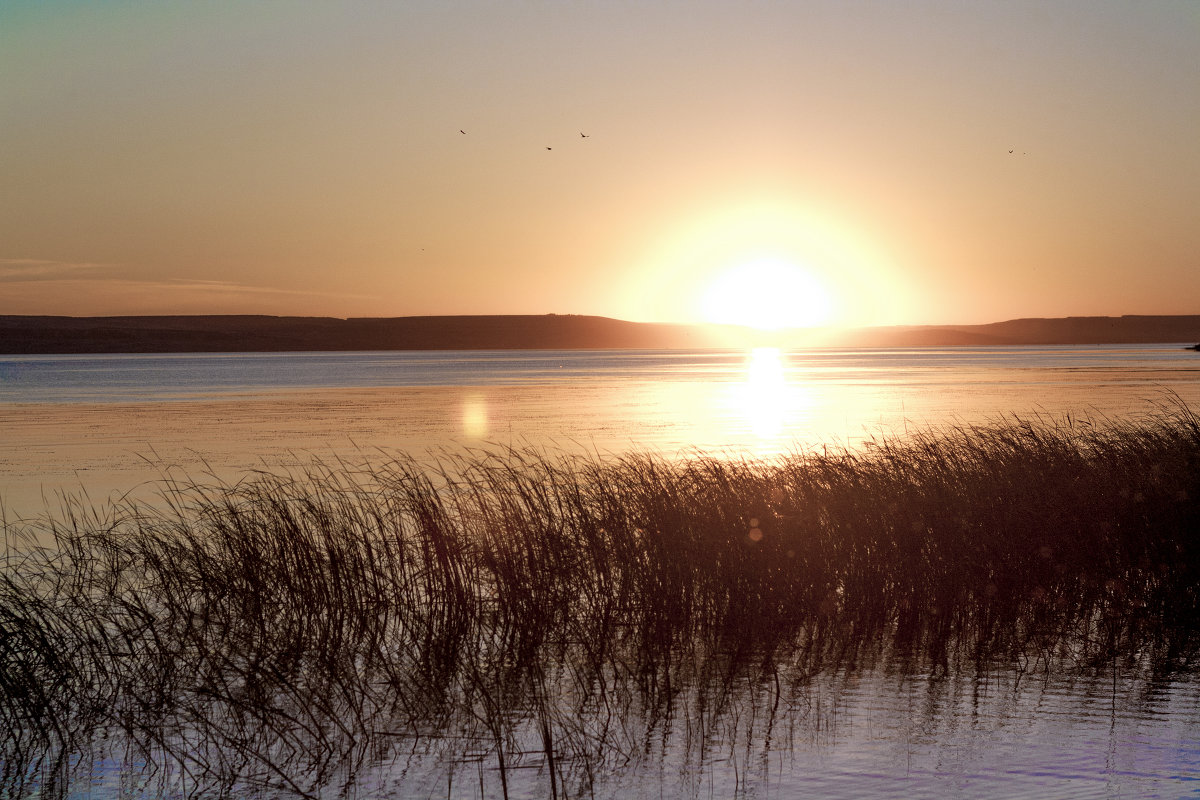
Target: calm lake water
(849, 736)
(109, 423)
(112, 423)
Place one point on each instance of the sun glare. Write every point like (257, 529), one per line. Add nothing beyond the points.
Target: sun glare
(769, 294)
(767, 401)
(770, 264)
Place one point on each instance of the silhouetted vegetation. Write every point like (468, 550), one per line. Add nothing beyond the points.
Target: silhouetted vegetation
(518, 607)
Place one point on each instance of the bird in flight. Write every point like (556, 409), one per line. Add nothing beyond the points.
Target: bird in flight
(464, 133)
(549, 148)
(583, 135)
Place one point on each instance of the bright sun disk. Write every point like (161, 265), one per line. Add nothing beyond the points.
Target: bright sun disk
(769, 294)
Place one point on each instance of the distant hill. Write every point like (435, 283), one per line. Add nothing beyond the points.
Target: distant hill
(215, 334)
(193, 334)
(1130, 329)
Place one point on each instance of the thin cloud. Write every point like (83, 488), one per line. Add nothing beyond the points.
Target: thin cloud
(241, 288)
(89, 294)
(19, 270)
(36, 269)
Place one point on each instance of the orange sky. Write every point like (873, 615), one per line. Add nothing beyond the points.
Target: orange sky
(305, 158)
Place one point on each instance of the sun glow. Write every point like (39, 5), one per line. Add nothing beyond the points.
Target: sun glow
(769, 294)
(770, 265)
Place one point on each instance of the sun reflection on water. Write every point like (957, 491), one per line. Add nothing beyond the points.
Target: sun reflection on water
(767, 400)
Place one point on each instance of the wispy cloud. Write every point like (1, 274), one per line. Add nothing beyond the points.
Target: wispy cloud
(232, 287)
(80, 290)
(20, 270)
(37, 269)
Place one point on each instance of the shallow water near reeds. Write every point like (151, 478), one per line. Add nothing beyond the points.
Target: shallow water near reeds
(837, 736)
(1008, 611)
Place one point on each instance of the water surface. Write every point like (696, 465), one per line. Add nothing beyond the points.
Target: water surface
(109, 423)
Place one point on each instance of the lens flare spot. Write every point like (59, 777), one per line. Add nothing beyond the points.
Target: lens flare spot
(475, 416)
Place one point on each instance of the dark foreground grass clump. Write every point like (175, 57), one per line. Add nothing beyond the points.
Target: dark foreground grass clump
(278, 634)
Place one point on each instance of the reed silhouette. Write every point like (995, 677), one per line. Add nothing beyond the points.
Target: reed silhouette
(519, 607)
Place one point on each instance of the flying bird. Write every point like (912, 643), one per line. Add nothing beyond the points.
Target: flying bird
(583, 135)
(464, 133)
(549, 148)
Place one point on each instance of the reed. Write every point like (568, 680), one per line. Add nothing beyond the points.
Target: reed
(280, 633)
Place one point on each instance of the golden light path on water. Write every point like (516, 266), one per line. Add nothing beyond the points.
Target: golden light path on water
(766, 398)
(757, 413)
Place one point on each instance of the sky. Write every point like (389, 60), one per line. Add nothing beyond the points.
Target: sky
(770, 163)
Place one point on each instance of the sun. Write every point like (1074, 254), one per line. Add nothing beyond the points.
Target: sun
(768, 294)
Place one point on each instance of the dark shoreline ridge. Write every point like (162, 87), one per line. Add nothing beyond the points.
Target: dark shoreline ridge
(214, 334)
(278, 635)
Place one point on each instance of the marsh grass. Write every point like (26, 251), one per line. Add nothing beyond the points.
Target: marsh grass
(524, 609)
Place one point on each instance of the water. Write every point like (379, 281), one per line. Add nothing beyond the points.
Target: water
(184, 376)
(110, 424)
(843, 735)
